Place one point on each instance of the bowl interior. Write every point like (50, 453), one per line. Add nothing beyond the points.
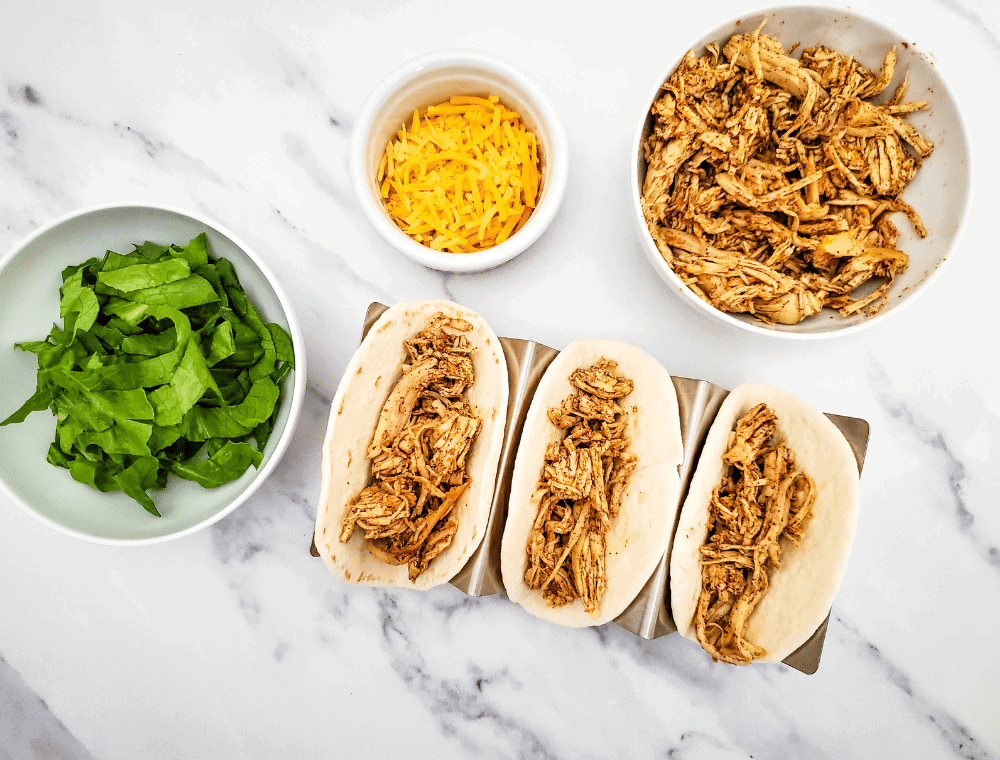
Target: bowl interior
(29, 305)
(939, 192)
(432, 83)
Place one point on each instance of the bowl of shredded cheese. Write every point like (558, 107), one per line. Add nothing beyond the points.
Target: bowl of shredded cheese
(459, 162)
(803, 172)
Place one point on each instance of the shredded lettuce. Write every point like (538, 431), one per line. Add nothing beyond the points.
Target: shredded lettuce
(162, 366)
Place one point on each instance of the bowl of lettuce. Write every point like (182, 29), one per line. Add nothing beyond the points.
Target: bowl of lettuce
(152, 373)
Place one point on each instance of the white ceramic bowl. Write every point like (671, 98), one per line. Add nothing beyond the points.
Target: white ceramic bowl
(432, 79)
(29, 304)
(939, 192)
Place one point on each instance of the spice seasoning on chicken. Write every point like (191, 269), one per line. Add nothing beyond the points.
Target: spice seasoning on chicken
(419, 451)
(464, 177)
(762, 499)
(771, 179)
(580, 490)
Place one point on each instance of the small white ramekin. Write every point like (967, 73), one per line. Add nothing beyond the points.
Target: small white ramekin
(432, 79)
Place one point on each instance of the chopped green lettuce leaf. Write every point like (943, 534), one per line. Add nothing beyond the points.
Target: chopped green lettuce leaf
(229, 462)
(162, 366)
(142, 276)
(79, 301)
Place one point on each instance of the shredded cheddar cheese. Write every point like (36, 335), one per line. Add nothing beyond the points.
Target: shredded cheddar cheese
(464, 177)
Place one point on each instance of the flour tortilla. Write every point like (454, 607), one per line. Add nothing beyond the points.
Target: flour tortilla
(640, 534)
(801, 591)
(369, 378)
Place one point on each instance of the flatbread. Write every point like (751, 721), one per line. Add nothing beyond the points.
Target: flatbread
(641, 533)
(801, 591)
(369, 378)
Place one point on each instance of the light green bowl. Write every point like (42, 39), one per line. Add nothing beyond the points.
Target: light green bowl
(29, 304)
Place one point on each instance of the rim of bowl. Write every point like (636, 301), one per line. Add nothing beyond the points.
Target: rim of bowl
(555, 179)
(689, 297)
(295, 400)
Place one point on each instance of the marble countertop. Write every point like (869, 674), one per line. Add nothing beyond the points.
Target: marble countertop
(235, 643)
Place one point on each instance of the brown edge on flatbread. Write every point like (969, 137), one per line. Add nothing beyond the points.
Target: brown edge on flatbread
(798, 601)
(367, 381)
(648, 615)
(641, 533)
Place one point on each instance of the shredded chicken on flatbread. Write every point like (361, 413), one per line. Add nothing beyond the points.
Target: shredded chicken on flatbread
(580, 490)
(771, 179)
(762, 499)
(419, 450)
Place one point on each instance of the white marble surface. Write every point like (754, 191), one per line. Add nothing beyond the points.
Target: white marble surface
(235, 643)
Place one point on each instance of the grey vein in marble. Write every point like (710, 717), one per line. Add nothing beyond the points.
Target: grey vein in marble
(456, 704)
(153, 147)
(697, 744)
(955, 735)
(299, 154)
(296, 76)
(23, 96)
(930, 435)
(964, 11)
(247, 532)
(30, 730)
(9, 127)
(332, 259)
(24, 93)
(150, 147)
(741, 694)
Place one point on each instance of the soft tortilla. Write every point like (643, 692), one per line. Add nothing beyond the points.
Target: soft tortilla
(801, 591)
(369, 378)
(640, 534)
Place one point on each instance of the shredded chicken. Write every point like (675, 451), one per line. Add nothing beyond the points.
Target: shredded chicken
(761, 500)
(419, 450)
(580, 490)
(771, 180)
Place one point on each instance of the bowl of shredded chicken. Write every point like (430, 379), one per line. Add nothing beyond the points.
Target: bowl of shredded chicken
(801, 172)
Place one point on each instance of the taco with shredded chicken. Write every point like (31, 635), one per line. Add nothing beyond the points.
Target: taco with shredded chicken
(764, 533)
(595, 486)
(412, 448)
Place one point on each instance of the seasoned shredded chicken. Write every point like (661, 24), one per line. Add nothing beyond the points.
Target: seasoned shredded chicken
(580, 490)
(761, 500)
(771, 180)
(418, 452)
